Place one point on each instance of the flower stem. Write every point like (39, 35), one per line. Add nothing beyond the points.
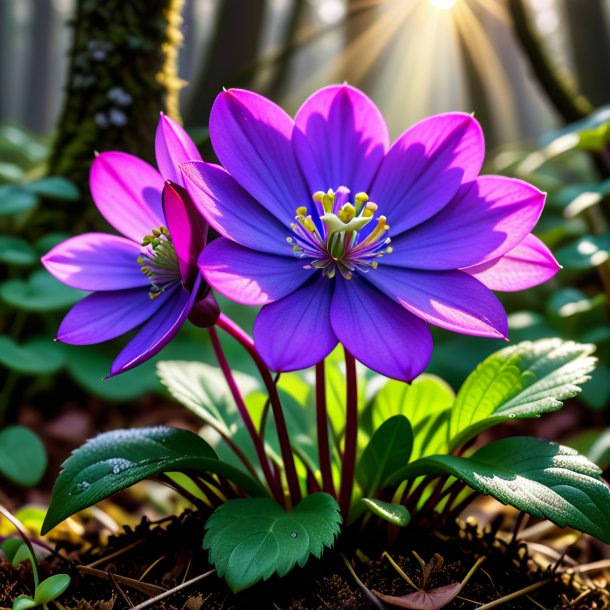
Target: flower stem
(273, 483)
(235, 331)
(322, 426)
(348, 464)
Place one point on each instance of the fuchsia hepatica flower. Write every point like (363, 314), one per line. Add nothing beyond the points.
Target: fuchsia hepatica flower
(341, 237)
(149, 277)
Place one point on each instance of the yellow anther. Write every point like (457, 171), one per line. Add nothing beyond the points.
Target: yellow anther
(360, 199)
(139, 260)
(301, 211)
(318, 196)
(374, 264)
(386, 228)
(309, 224)
(347, 212)
(328, 201)
(389, 250)
(369, 209)
(156, 232)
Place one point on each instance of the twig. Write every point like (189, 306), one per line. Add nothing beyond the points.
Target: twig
(118, 553)
(122, 593)
(515, 595)
(144, 587)
(364, 588)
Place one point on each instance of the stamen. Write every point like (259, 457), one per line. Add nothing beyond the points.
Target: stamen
(159, 262)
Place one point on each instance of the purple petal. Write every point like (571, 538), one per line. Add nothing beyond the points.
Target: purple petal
(488, 217)
(173, 147)
(449, 299)
(232, 211)
(252, 139)
(127, 192)
(528, 264)
(187, 228)
(205, 312)
(160, 329)
(295, 332)
(424, 168)
(384, 336)
(250, 277)
(96, 261)
(102, 316)
(339, 139)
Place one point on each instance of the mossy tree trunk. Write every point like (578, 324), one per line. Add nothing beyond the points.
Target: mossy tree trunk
(122, 74)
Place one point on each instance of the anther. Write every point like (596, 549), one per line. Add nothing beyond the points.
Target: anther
(347, 212)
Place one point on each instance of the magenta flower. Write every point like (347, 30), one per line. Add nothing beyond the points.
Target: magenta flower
(307, 208)
(149, 277)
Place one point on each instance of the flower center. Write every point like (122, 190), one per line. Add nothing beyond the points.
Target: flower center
(334, 241)
(159, 262)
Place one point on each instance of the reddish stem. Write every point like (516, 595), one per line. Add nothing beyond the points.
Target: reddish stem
(322, 424)
(273, 483)
(235, 331)
(348, 464)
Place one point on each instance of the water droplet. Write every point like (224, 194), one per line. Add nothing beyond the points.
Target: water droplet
(118, 465)
(82, 486)
(293, 535)
(511, 416)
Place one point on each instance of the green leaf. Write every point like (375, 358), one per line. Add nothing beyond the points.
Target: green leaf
(251, 539)
(546, 480)
(23, 602)
(34, 357)
(423, 403)
(600, 450)
(203, 389)
(116, 460)
(16, 251)
(520, 381)
(40, 293)
(15, 200)
(585, 253)
(54, 187)
(49, 241)
(396, 514)
(577, 198)
(51, 588)
(10, 546)
(590, 133)
(23, 459)
(388, 450)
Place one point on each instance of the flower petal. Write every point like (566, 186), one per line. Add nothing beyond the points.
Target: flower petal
(172, 147)
(127, 192)
(96, 261)
(250, 277)
(160, 329)
(449, 299)
(295, 332)
(528, 264)
(424, 168)
(187, 228)
(384, 336)
(251, 137)
(232, 211)
(339, 139)
(488, 217)
(102, 316)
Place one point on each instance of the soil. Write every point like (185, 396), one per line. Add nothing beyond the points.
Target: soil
(168, 553)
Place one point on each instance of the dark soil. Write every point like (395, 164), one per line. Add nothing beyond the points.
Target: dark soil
(168, 553)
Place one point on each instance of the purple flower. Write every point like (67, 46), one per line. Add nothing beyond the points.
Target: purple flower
(149, 277)
(307, 208)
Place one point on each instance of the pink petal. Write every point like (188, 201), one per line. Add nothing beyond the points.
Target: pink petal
(450, 299)
(384, 336)
(173, 146)
(424, 168)
(96, 261)
(127, 192)
(295, 332)
(187, 228)
(340, 138)
(250, 277)
(526, 265)
(252, 139)
(488, 217)
(232, 211)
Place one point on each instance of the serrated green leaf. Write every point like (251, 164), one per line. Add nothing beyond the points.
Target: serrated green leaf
(251, 539)
(396, 514)
(388, 450)
(203, 389)
(15, 200)
(585, 253)
(520, 381)
(23, 458)
(54, 187)
(16, 251)
(39, 356)
(116, 460)
(40, 293)
(23, 602)
(544, 479)
(422, 403)
(51, 588)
